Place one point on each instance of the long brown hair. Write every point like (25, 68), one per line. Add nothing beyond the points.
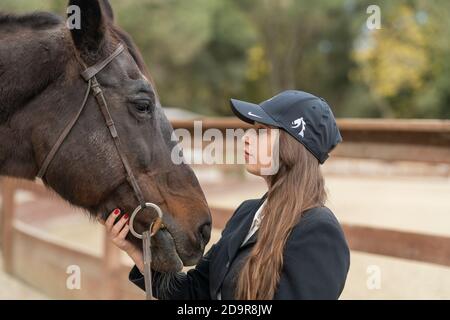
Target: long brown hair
(296, 187)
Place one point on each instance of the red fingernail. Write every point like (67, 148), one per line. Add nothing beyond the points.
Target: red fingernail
(125, 216)
(116, 211)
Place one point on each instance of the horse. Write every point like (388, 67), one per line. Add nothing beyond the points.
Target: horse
(41, 59)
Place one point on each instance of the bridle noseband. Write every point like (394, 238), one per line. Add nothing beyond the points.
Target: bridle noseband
(89, 75)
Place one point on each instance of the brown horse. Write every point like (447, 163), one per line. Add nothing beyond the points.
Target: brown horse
(41, 91)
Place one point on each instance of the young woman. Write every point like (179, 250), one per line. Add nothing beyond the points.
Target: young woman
(286, 245)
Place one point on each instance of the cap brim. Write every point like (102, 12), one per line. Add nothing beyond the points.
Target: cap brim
(250, 112)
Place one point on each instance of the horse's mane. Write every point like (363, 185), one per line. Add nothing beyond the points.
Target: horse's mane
(14, 92)
(42, 21)
(35, 20)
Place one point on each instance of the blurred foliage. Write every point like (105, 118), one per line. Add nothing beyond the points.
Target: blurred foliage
(203, 52)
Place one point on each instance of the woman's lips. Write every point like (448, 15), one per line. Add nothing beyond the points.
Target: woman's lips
(246, 155)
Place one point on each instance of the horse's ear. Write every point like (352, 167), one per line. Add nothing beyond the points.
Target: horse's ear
(108, 10)
(89, 35)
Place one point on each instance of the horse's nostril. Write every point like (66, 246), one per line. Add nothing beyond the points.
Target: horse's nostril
(205, 232)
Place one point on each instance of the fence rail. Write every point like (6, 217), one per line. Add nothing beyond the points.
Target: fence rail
(391, 140)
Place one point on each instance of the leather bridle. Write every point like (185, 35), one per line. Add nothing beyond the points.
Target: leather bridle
(89, 75)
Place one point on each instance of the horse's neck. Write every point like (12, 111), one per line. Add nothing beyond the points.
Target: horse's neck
(16, 154)
(29, 61)
(25, 74)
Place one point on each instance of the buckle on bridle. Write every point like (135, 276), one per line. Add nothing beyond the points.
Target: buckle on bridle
(155, 225)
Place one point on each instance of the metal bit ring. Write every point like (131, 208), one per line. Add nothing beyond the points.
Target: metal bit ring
(154, 226)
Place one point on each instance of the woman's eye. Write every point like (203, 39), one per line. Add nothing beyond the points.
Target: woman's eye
(144, 107)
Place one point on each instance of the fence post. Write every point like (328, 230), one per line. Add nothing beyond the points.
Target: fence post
(7, 189)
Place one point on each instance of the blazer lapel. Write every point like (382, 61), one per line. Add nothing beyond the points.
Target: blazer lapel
(241, 231)
(232, 244)
(251, 240)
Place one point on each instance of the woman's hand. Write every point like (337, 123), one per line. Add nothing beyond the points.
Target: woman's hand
(117, 231)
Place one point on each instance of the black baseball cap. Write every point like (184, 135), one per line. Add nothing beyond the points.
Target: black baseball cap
(304, 116)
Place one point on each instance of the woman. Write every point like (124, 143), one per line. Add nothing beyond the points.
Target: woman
(286, 245)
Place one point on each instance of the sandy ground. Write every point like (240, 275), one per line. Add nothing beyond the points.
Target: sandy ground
(409, 200)
(398, 279)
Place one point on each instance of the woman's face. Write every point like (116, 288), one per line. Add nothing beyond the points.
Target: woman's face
(261, 150)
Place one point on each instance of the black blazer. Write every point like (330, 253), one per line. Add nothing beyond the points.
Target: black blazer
(316, 260)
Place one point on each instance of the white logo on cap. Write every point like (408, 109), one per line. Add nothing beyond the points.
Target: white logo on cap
(297, 123)
(254, 115)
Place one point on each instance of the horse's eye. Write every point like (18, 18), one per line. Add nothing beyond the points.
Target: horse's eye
(144, 106)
